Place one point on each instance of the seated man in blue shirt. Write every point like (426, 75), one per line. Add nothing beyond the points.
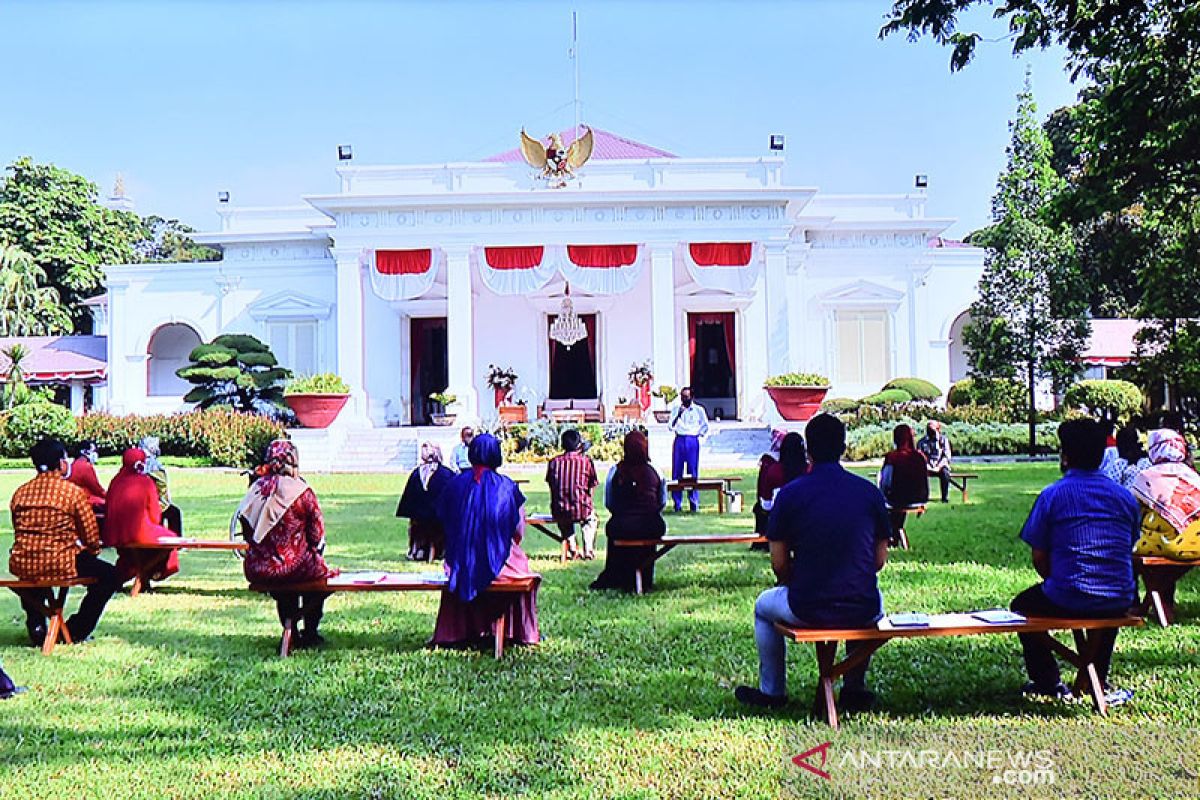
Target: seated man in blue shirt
(1082, 530)
(828, 531)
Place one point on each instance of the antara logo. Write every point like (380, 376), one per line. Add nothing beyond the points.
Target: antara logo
(802, 760)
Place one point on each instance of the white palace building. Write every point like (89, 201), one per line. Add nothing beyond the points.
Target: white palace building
(413, 279)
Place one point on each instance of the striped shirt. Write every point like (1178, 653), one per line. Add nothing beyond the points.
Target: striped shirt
(571, 477)
(1088, 526)
(52, 523)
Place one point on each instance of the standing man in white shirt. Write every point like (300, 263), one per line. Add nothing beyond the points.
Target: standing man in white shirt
(459, 461)
(689, 423)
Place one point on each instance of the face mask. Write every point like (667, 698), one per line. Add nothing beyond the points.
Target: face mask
(66, 469)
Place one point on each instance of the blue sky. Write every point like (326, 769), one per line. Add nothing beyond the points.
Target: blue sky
(189, 98)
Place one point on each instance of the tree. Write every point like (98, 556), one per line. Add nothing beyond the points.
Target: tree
(1028, 322)
(168, 240)
(27, 308)
(235, 370)
(53, 215)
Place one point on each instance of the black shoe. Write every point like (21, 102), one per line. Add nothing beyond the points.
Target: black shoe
(750, 696)
(1060, 691)
(856, 699)
(310, 641)
(37, 635)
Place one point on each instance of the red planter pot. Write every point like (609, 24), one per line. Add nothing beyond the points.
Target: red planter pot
(316, 410)
(797, 403)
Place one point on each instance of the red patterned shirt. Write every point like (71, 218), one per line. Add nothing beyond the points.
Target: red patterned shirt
(572, 477)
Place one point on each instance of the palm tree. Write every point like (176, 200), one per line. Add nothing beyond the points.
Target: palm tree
(15, 391)
(27, 308)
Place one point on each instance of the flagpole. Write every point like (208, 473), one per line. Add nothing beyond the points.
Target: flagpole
(575, 59)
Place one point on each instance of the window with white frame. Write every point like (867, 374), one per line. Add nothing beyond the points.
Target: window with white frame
(863, 346)
(294, 343)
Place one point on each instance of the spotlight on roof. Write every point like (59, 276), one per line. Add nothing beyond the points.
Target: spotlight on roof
(222, 197)
(777, 141)
(921, 181)
(345, 152)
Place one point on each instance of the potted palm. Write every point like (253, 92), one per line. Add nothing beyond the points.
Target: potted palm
(445, 400)
(667, 393)
(797, 395)
(316, 400)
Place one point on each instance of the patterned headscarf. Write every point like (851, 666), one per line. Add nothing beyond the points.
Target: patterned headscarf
(282, 459)
(431, 459)
(1167, 446)
(1171, 488)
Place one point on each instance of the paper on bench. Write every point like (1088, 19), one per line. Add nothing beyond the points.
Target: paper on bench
(909, 620)
(999, 616)
(358, 578)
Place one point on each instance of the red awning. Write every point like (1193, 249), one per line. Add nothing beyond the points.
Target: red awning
(403, 262)
(513, 257)
(602, 256)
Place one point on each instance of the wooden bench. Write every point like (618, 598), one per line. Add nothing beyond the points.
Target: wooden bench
(168, 544)
(668, 543)
(829, 669)
(959, 481)
(392, 582)
(901, 534)
(546, 524)
(1159, 576)
(56, 626)
(719, 485)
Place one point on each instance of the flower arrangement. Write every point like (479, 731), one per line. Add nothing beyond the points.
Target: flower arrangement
(640, 374)
(501, 377)
(444, 398)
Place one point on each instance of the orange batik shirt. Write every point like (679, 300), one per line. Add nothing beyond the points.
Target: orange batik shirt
(52, 522)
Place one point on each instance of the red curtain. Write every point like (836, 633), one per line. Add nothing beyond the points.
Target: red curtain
(720, 254)
(602, 256)
(403, 262)
(725, 320)
(513, 257)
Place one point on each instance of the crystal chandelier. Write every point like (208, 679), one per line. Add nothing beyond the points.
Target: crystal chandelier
(568, 329)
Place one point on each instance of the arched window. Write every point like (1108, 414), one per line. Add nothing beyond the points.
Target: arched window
(959, 357)
(168, 350)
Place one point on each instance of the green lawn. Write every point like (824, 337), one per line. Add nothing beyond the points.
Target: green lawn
(181, 695)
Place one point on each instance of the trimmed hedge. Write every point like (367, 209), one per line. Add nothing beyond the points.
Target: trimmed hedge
(227, 437)
(997, 393)
(921, 390)
(887, 397)
(1110, 400)
(989, 439)
(540, 441)
(24, 425)
(840, 405)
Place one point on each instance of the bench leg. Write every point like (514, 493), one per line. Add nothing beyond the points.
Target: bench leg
(565, 551)
(637, 580)
(138, 584)
(826, 652)
(903, 539)
(720, 501)
(498, 631)
(1160, 590)
(285, 644)
(1083, 659)
(56, 627)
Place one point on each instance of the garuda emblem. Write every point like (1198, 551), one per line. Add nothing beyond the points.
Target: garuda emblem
(557, 164)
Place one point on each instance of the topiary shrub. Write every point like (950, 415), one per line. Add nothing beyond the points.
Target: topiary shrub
(921, 390)
(839, 405)
(888, 397)
(26, 424)
(235, 370)
(1113, 401)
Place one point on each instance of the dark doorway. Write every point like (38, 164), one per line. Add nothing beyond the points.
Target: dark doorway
(713, 363)
(573, 369)
(430, 369)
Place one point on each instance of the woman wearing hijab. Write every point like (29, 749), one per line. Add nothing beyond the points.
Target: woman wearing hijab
(281, 520)
(903, 479)
(1169, 492)
(171, 515)
(635, 495)
(83, 474)
(483, 514)
(133, 516)
(787, 461)
(419, 503)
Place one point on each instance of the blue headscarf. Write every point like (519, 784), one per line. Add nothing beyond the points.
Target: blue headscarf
(480, 511)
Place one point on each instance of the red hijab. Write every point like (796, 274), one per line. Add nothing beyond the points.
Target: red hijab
(132, 511)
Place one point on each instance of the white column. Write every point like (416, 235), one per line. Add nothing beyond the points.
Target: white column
(778, 324)
(77, 398)
(117, 378)
(460, 330)
(350, 364)
(799, 360)
(662, 315)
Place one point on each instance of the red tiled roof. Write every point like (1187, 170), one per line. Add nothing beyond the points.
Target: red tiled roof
(60, 358)
(605, 146)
